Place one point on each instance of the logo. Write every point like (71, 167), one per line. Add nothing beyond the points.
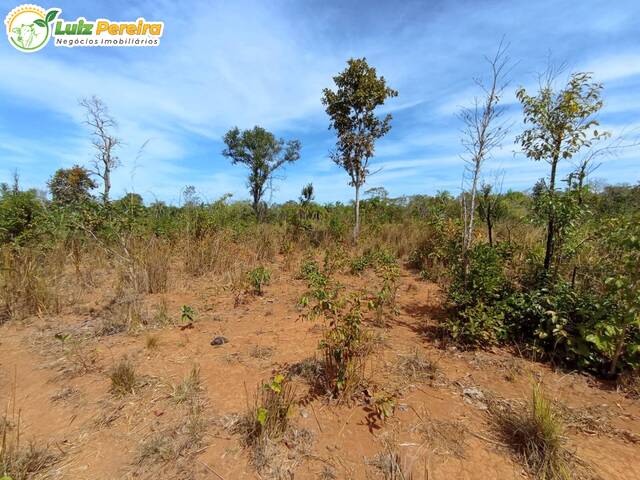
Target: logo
(30, 27)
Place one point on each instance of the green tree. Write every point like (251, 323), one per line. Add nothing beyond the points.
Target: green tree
(351, 108)
(71, 186)
(306, 195)
(561, 123)
(490, 208)
(263, 154)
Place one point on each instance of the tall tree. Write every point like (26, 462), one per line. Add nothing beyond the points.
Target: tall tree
(351, 108)
(561, 123)
(263, 154)
(104, 141)
(71, 186)
(483, 132)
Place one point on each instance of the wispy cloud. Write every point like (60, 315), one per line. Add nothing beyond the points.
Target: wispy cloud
(245, 63)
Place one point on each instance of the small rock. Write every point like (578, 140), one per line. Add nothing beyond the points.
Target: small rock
(304, 413)
(217, 341)
(475, 397)
(403, 407)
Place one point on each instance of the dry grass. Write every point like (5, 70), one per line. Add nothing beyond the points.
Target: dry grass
(276, 446)
(151, 342)
(261, 352)
(178, 442)
(26, 287)
(391, 464)
(123, 378)
(18, 462)
(415, 367)
(535, 433)
(311, 370)
(629, 383)
(155, 262)
(444, 437)
(189, 389)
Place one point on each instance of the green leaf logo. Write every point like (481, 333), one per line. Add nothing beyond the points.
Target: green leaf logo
(51, 15)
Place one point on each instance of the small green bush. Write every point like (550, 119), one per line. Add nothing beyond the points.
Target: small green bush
(479, 325)
(258, 278)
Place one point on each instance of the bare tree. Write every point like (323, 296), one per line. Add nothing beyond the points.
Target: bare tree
(483, 131)
(104, 141)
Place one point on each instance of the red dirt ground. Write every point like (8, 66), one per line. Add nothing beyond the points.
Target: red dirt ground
(98, 436)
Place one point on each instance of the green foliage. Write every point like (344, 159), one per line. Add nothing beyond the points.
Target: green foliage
(71, 186)
(187, 314)
(271, 415)
(478, 325)
(20, 212)
(258, 278)
(351, 108)
(561, 122)
(344, 345)
(485, 281)
(323, 294)
(383, 301)
(262, 154)
(373, 258)
(306, 195)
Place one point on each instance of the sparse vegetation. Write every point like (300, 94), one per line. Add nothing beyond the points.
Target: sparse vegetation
(535, 432)
(411, 316)
(123, 378)
(258, 278)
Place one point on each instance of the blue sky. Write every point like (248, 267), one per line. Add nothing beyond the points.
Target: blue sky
(225, 64)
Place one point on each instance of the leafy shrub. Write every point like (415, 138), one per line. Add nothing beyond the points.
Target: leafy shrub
(478, 325)
(258, 278)
(19, 214)
(345, 345)
(383, 302)
(484, 281)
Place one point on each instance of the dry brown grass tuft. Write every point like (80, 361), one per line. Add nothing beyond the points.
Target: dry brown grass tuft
(189, 389)
(123, 378)
(26, 287)
(177, 443)
(415, 367)
(151, 342)
(444, 437)
(276, 446)
(156, 260)
(19, 462)
(629, 383)
(390, 463)
(535, 433)
(261, 352)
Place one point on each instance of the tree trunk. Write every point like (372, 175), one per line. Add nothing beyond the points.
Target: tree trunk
(490, 230)
(107, 184)
(548, 254)
(256, 205)
(356, 228)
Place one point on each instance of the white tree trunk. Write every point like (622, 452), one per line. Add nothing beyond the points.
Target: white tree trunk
(356, 228)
